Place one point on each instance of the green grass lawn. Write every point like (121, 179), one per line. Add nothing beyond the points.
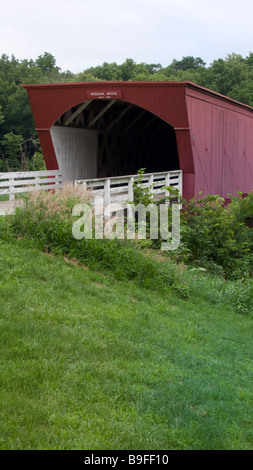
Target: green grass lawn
(88, 362)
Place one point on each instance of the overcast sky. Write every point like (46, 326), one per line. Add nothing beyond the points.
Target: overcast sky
(81, 33)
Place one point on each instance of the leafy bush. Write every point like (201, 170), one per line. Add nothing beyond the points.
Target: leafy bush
(242, 208)
(213, 235)
(142, 194)
(218, 236)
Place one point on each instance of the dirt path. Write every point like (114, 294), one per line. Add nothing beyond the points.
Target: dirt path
(8, 207)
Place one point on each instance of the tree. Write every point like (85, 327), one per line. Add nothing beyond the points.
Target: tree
(46, 63)
(127, 69)
(37, 162)
(1, 116)
(11, 144)
(224, 75)
(188, 62)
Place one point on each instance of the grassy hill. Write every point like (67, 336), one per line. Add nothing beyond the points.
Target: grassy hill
(92, 361)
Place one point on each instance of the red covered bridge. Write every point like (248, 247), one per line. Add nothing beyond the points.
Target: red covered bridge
(99, 129)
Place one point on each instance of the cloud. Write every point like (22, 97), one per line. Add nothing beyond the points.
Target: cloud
(81, 34)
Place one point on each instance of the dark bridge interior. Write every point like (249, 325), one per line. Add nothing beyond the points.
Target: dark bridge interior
(129, 137)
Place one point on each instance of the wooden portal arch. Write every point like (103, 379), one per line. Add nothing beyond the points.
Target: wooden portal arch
(213, 133)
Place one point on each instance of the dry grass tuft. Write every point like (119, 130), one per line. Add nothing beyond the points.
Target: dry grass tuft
(58, 202)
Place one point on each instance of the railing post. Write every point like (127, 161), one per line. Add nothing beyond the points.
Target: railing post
(130, 198)
(130, 189)
(107, 198)
(180, 183)
(11, 188)
(180, 186)
(57, 181)
(167, 183)
(37, 183)
(84, 186)
(150, 182)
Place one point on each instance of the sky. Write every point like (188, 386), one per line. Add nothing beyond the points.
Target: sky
(81, 34)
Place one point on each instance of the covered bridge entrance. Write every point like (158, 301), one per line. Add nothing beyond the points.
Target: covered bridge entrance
(107, 129)
(100, 138)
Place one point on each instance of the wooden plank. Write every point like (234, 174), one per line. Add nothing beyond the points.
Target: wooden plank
(11, 192)
(75, 114)
(36, 181)
(150, 180)
(98, 116)
(107, 199)
(107, 191)
(97, 192)
(130, 189)
(25, 189)
(48, 187)
(180, 184)
(79, 120)
(29, 174)
(120, 189)
(96, 184)
(120, 116)
(4, 191)
(122, 198)
(126, 177)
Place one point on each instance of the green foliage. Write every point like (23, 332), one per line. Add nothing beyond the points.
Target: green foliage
(47, 63)
(188, 62)
(1, 116)
(220, 237)
(37, 162)
(232, 76)
(11, 144)
(243, 208)
(46, 220)
(124, 259)
(214, 236)
(142, 193)
(15, 110)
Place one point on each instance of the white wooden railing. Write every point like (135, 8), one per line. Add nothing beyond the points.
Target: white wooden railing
(22, 182)
(120, 188)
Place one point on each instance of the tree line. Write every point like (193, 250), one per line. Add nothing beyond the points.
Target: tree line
(19, 144)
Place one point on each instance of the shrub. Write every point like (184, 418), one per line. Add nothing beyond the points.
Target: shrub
(217, 235)
(242, 208)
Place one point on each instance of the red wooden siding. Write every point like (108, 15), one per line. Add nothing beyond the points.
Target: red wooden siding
(214, 134)
(222, 143)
